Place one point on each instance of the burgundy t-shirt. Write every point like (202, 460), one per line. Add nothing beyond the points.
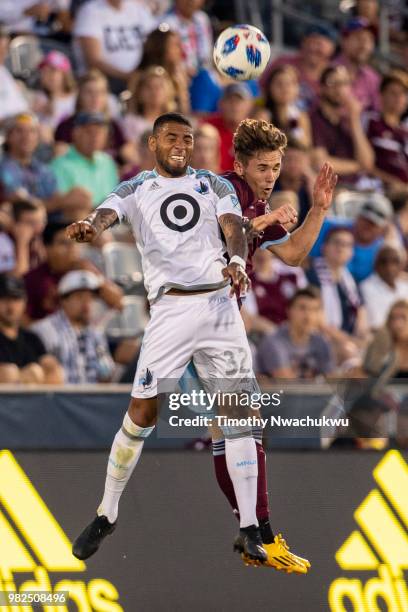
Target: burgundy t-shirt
(272, 296)
(41, 286)
(251, 208)
(335, 138)
(390, 146)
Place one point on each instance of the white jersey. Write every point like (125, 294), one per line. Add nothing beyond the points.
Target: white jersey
(175, 224)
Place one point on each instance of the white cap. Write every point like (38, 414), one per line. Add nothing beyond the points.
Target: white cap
(78, 280)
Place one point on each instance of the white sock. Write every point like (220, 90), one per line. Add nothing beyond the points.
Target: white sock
(242, 464)
(125, 452)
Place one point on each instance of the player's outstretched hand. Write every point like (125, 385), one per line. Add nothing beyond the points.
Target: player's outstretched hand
(323, 188)
(240, 282)
(81, 231)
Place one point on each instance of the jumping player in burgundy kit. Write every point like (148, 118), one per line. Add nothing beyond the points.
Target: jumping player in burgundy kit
(259, 148)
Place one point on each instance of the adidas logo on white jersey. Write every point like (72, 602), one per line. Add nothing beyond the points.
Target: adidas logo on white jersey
(154, 186)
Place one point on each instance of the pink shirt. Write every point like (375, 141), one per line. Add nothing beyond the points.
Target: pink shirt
(365, 86)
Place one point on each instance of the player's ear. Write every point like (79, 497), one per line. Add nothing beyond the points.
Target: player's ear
(238, 167)
(152, 142)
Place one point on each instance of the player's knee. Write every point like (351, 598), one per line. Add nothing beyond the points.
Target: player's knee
(143, 412)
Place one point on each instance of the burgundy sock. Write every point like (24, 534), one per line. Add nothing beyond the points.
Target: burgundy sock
(226, 486)
(262, 508)
(225, 482)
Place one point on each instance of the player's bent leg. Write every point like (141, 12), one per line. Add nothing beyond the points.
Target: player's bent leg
(127, 446)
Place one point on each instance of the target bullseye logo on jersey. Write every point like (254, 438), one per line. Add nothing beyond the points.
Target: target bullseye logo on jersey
(180, 212)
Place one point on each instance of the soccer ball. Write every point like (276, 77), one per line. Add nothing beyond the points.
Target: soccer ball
(242, 52)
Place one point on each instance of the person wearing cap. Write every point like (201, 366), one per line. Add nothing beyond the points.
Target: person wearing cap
(69, 335)
(12, 99)
(85, 164)
(55, 98)
(371, 227)
(337, 131)
(24, 177)
(316, 51)
(235, 105)
(388, 132)
(357, 47)
(23, 357)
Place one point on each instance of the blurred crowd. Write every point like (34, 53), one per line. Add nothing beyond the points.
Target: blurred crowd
(76, 121)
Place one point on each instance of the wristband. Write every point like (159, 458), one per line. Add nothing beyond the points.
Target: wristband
(238, 260)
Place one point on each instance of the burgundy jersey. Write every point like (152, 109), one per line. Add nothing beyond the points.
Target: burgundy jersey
(390, 146)
(251, 208)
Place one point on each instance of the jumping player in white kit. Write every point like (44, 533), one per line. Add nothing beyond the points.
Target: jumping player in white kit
(177, 214)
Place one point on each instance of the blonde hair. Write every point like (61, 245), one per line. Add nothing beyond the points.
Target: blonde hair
(137, 83)
(253, 135)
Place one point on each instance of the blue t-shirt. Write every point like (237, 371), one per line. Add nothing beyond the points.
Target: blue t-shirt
(362, 263)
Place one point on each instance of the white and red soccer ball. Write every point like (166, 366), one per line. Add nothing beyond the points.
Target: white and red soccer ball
(242, 52)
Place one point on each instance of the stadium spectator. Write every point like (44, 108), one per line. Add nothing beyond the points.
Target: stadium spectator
(297, 350)
(338, 136)
(368, 10)
(109, 35)
(12, 99)
(400, 205)
(7, 247)
(38, 17)
(273, 286)
(357, 47)
(370, 228)
(23, 357)
(387, 354)
(163, 48)
(94, 97)
(235, 106)
(152, 94)
(297, 175)
(29, 222)
(194, 28)
(69, 335)
(55, 98)
(388, 133)
(386, 285)
(85, 164)
(281, 93)
(345, 318)
(23, 177)
(206, 152)
(61, 256)
(316, 50)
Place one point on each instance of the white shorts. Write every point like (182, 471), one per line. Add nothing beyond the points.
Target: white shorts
(206, 328)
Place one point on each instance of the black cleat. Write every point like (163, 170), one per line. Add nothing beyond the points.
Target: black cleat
(91, 538)
(249, 543)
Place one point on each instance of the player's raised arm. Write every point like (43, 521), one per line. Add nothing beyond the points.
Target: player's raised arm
(93, 225)
(294, 250)
(237, 248)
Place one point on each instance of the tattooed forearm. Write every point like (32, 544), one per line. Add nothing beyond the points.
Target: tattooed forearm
(101, 219)
(234, 235)
(250, 229)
